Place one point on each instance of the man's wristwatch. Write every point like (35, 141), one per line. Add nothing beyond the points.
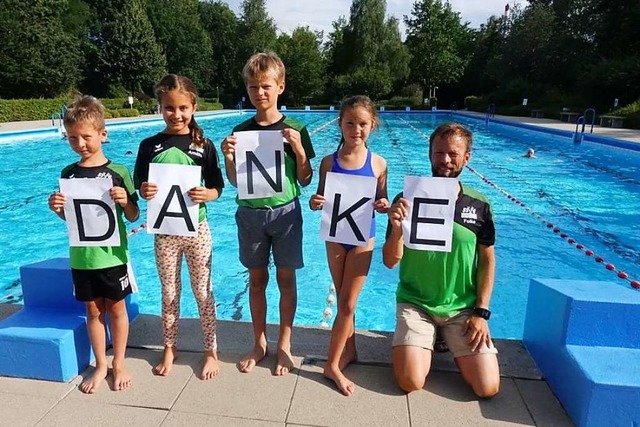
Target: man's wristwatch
(481, 312)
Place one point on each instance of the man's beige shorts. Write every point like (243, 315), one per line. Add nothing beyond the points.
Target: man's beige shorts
(417, 328)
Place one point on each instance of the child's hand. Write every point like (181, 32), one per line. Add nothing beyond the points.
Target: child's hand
(381, 205)
(397, 212)
(316, 202)
(56, 202)
(294, 139)
(119, 195)
(228, 147)
(198, 194)
(148, 190)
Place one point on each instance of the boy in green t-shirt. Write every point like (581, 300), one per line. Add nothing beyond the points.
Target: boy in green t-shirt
(100, 276)
(271, 224)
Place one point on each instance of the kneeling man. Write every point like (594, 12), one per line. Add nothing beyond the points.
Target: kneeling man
(446, 291)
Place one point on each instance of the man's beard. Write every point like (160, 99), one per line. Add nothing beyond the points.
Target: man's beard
(453, 174)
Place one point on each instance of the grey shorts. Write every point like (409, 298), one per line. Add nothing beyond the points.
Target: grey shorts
(261, 230)
(417, 328)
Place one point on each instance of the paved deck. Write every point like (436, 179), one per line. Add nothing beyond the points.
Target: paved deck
(303, 397)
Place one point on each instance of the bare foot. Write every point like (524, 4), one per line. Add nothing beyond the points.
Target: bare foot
(345, 386)
(348, 356)
(285, 362)
(248, 362)
(168, 357)
(121, 377)
(210, 365)
(91, 384)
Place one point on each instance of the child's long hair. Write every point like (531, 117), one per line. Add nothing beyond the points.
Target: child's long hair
(185, 85)
(354, 102)
(85, 109)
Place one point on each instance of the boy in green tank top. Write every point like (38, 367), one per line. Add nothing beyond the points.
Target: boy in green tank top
(447, 292)
(100, 274)
(271, 224)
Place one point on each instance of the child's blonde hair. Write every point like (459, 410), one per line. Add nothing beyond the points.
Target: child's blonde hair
(358, 101)
(85, 109)
(261, 64)
(183, 84)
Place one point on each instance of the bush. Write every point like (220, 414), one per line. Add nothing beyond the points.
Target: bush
(475, 103)
(13, 110)
(209, 106)
(401, 101)
(121, 112)
(631, 113)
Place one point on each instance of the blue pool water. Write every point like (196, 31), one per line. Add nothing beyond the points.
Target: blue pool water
(589, 191)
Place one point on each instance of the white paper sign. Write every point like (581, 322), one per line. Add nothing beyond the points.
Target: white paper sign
(171, 211)
(432, 204)
(348, 208)
(260, 164)
(90, 212)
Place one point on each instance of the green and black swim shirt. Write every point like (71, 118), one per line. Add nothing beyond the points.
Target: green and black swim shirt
(97, 257)
(179, 150)
(291, 187)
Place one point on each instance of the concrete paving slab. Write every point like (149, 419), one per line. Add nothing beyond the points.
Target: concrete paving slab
(74, 412)
(258, 395)
(179, 419)
(20, 410)
(377, 401)
(448, 400)
(148, 390)
(542, 404)
(27, 387)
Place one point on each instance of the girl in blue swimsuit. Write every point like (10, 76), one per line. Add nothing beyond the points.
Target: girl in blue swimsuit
(349, 265)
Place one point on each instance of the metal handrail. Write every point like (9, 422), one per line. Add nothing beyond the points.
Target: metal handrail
(491, 112)
(593, 116)
(579, 136)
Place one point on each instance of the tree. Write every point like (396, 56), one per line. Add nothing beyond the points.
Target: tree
(37, 56)
(305, 65)
(435, 38)
(256, 31)
(222, 25)
(130, 56)
(184, 41)
(366, 55)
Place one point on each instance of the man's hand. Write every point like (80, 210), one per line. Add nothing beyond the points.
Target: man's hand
(228, 147)
(398, 212)
(477, 331)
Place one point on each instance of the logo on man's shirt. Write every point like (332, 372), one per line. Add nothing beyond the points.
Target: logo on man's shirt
(157, 148)
(469, 215)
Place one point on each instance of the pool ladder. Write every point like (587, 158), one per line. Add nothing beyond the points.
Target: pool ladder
(578, 136)
(491, 112)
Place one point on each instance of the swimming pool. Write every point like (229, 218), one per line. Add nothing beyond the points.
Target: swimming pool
(590, 191)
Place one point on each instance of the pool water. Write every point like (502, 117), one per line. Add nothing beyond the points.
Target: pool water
(589, 191)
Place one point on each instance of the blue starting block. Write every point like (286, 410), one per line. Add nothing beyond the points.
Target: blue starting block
(585, 339)
(48, 338)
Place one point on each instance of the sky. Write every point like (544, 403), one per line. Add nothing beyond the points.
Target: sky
(319, 14)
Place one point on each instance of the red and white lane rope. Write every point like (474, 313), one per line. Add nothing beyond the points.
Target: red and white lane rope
(550, 226)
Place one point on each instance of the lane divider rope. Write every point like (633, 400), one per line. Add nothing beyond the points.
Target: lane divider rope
(635, 284)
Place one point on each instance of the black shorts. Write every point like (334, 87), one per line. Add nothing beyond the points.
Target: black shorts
(112, 283)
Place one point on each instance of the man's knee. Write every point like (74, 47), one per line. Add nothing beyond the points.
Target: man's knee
(410, 383)
(487, 389)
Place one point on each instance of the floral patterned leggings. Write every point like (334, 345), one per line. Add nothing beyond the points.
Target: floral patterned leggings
(169, 250)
